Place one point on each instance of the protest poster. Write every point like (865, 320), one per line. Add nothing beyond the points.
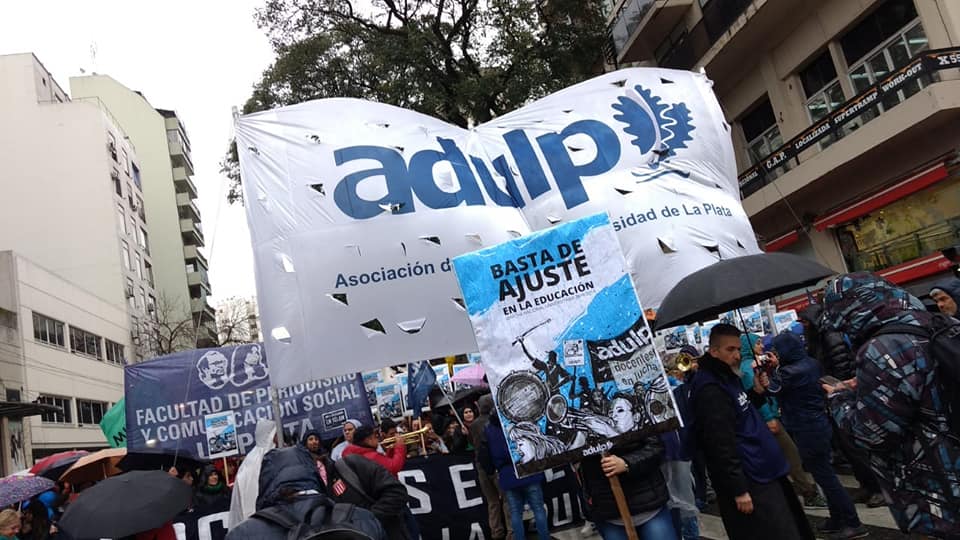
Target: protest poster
(782, 320)
(167, 399)
(443, 379)
(372, 202)
(370, 381)
(389, 400)
(221, 433)
(566, 347)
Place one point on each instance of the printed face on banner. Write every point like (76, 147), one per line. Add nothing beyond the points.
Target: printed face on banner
(565, 344)
(371, 202)
(167, 400)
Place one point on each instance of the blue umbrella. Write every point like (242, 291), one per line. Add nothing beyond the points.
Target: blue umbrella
(15, 489)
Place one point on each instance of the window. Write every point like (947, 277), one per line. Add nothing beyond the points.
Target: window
(762, 134)
(820, 84)
(117, 185)
(883, 23)
(915, 226)
(889, 56)
(114, 352)
(112, 145)
(142, 239)
(47, 330)
(125, 254)
(148, 268)
(123, 219)
(63, 416)
(91, 412)
(151, 304)
(124, 162)
(140, 211)
(13, 395)
(191, 267)
(141, 299)
(138, 265)
(136, 175)
(129, 292)
(85, 343)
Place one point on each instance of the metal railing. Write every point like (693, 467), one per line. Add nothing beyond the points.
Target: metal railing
(922, 65)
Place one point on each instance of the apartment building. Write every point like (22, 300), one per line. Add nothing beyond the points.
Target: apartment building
(166, 171)
(843, 114)
(61, 346)
(72, 199)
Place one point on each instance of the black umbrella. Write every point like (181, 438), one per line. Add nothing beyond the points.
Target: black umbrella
(735, 283)
(458, 397)
(125, 505)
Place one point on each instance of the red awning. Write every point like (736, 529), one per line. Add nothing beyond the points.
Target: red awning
(876, 201)
(782, 241)
(916, 269)
(795, 303)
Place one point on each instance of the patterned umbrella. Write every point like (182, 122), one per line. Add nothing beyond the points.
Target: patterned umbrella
(14, 489)
(53, 466)
(95, 467)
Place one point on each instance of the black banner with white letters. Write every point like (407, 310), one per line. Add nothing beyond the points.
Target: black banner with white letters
(444, 496)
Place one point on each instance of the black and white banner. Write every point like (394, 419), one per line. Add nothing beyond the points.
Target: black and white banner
(444, 496)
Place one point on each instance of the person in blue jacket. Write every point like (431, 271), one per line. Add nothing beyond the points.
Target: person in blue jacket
(750, 345)
(804, 415)
(494, 455)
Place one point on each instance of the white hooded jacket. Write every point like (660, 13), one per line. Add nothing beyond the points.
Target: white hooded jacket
(247, 485)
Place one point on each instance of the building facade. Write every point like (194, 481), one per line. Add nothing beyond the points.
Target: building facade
(62, 346)
(72, 191)
(166, 171)
(843, 115)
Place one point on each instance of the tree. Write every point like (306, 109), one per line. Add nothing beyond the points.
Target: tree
(463, 61)
(237, 322)
(169, 329)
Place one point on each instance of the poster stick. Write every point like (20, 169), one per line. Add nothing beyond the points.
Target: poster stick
(621, 499)
(452, 408)
(226, 471)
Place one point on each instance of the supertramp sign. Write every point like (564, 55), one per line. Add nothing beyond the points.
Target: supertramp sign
(357, 208)
(923, 64)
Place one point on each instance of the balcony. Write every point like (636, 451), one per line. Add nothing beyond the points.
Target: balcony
(187, 208)
(905, 133)
(199, 278)
(192, 253)
(179, 152)
(641, 25)
(183, 183)
(191, 232)
(200, 305)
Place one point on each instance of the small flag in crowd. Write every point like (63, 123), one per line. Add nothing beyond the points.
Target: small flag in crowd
(420, 380)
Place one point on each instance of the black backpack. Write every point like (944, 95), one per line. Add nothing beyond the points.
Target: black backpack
(326, 521)
(944, 350)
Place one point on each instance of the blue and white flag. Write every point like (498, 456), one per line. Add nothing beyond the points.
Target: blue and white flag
(420, 380)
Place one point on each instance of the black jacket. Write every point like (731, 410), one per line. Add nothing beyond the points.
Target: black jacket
(288, 480)
(643, 483)
(383, 494)
(827, 347)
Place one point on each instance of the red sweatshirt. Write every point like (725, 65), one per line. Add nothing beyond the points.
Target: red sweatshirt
(393, 461)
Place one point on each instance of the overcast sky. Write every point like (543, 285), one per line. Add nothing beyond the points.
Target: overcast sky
(199, 58)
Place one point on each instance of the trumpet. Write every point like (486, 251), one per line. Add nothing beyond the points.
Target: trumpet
(407, 438)
(685, 362)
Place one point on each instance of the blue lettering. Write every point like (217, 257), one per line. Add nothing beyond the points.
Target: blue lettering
(569, 177)
(512, 197)
(529, 166)
(425, 186)
(394, 172)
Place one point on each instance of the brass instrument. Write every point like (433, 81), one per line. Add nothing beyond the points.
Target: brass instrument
(685, 362)
(407, 438)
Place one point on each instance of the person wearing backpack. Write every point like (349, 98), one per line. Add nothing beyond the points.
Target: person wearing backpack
(292, 505)
(364, 483)
(897, 407)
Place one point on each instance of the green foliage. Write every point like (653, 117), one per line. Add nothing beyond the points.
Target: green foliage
(463, 61)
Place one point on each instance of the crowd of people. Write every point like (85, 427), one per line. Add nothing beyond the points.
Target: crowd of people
(865, 377)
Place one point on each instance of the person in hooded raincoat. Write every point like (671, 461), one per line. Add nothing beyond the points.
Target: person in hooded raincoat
(247, 485)
(947, 296)
(894, 407)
